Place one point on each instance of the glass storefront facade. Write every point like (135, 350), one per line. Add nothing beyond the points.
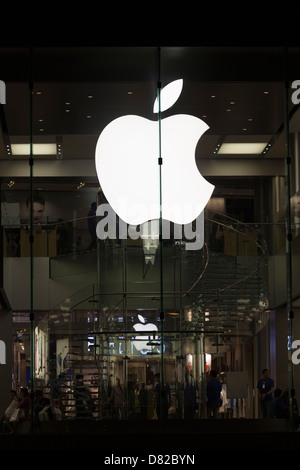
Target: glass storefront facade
(130, 310)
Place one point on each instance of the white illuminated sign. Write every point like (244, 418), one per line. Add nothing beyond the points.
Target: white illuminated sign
(127, 154)
(141, 343)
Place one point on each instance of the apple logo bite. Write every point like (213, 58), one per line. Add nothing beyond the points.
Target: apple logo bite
(127, 167)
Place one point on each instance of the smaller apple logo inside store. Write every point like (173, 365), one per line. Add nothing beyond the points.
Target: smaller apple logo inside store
(143, 343)
(146, 340)
(127, 165)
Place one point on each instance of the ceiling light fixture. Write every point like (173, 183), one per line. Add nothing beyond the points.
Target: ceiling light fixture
(242, 148)
(38, 149)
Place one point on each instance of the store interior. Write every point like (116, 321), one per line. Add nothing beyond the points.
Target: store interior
(197, 310)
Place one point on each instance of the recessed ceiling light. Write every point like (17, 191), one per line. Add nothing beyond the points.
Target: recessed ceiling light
(213, 96)
(242, 148)
(266, 92)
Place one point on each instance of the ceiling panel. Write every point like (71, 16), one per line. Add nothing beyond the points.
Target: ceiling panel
(78, 91)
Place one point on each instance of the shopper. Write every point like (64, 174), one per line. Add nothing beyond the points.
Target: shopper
(5, 424)
(162, 400)
(265, 388)
(84, 405)
(143, 401)
(190, 396)
(277, 395)
(25, 403)
(42, 407)
(213, 392)
(117, 399)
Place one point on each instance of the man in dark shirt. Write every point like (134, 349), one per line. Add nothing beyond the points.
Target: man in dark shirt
(265, 388)
(213, 392)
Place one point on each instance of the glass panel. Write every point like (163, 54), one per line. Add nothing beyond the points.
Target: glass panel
(124, 312)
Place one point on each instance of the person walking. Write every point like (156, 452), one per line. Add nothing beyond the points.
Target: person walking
(213, 392)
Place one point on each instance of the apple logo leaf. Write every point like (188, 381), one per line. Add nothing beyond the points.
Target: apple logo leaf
(142, 319)
(168, 95)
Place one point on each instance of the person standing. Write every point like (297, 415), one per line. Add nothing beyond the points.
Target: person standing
(162, 399)
(213, 392)
(265, 388)
(5, 424)
(25, 403)
(143, 400)
(190, 396)
(84, 405)
(117, 399)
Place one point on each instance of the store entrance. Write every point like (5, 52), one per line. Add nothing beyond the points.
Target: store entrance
(142, 378)
(137, 372)
(143, 371)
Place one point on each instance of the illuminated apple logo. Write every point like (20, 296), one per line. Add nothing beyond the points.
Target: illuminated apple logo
(127, 154)
(141, 344)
